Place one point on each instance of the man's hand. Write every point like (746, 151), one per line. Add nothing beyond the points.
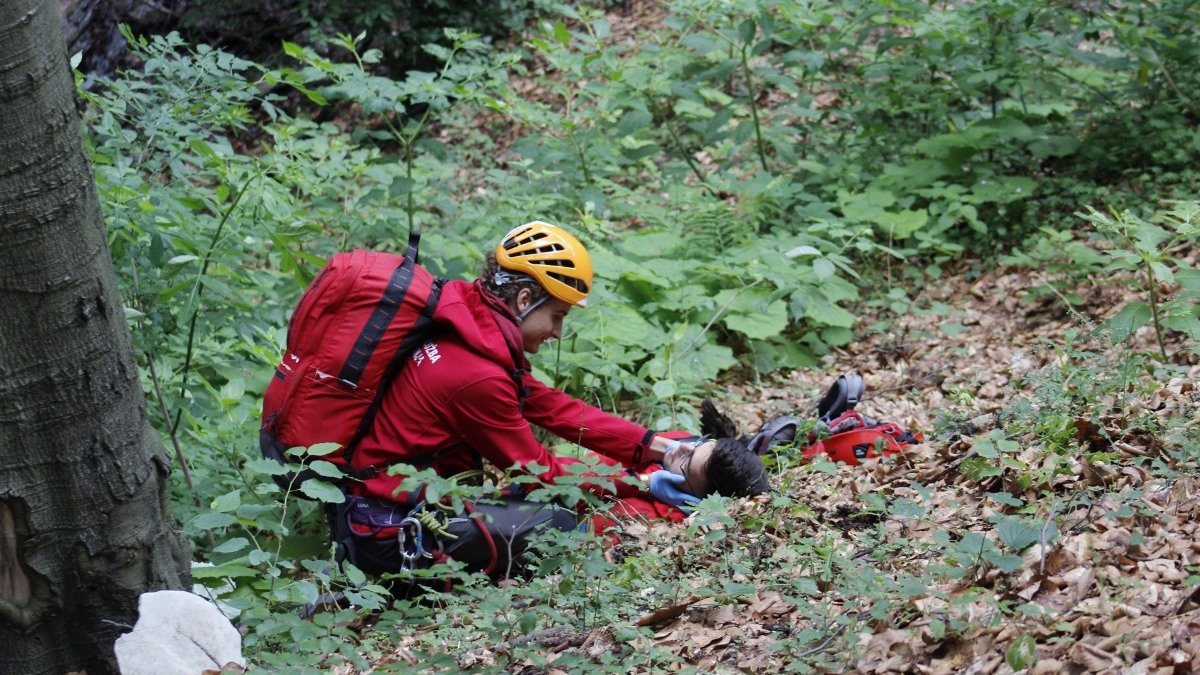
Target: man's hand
(664, 486)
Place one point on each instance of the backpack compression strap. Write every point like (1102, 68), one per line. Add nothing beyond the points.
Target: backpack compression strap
(372, 332)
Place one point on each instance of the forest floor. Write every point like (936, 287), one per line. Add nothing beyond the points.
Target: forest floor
(1033, 421)
(1106, 580)
(1117, 590)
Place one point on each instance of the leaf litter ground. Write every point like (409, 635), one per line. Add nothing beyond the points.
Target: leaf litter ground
(1107, 583)
(1087, 510)
(1099, 574)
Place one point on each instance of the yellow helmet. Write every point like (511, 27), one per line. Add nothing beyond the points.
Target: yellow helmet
(551, 256)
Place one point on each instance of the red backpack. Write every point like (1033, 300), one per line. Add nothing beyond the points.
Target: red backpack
(842, 433)
(351, 332)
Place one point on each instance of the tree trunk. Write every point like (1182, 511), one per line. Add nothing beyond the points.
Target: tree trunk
(85, 525)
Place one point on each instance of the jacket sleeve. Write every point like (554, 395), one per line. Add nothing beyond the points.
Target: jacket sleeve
(488, 420)
(573, 420)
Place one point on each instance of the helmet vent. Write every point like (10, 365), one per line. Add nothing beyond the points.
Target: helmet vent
(578, 284)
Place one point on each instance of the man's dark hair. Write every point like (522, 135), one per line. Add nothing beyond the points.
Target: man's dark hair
(734, 471)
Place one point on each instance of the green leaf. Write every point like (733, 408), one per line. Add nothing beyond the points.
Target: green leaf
(232, 546)
(561, 33)
(228, 502)
(222, 571)
(802, 250)
(267, 467)
(1162, 272)
(823, 268)
(985, 448)
(1184, 323)
(210, 520)
(293, 50)
(1017, 535)
(203, 149)
(664, 389)
(326, 469)
(633, 121)
(822, 311)
(902, 224)
(322, 491)
(746, 31)
(1126, 322)
(753, 314)
(1006, 563)
(322, 449)
(1022, 653)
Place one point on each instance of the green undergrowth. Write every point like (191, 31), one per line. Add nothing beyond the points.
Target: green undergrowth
(747, 177)
(844, 552)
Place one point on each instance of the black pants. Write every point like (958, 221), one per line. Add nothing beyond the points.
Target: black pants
(509, 521)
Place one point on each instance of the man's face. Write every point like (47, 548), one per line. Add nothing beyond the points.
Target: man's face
(543, 323)
(691, 463)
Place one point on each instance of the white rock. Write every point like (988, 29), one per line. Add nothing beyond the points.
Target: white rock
(178, 633)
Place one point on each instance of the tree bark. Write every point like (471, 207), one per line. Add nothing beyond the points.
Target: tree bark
(85, 525)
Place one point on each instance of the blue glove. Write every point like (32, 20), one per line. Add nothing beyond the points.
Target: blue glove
(664, 486)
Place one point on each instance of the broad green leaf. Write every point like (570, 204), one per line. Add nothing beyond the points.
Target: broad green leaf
(1022, 654)
(1017, 535)
(823, 268)
(633, 121)
(902, 224)
(1189, 279)
(802, 250)
(322, 491)
(210, 520)
(222, 571)
(818, 309)
(1126, 322)
(705, 361)
(985, 448)
(232, 546)
(326, 469)
(1005, 562)
(228, 502)
(322, 449)
(1162, 272)
(1188, 324)
(753, 313)
(561, 33)
(664, 389)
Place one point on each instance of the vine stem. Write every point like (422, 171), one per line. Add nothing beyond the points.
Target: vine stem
(711, 321)
(1158, 333)
(187, 360)
(760, 143)
(162, 404)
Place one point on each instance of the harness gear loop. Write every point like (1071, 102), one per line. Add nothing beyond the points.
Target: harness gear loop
(412, 530)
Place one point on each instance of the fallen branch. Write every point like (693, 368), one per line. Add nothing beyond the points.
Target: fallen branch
(555, 636)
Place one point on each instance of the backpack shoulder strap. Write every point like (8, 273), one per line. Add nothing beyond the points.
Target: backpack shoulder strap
(842, 396)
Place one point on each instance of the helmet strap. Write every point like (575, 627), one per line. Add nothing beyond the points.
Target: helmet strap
(503, 276)
(536, 303)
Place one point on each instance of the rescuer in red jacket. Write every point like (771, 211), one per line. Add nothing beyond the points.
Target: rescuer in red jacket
(466, 395)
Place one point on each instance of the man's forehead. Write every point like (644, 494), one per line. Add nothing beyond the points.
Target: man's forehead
(698, 462)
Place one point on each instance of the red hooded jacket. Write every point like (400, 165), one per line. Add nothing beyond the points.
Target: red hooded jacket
(458, 400)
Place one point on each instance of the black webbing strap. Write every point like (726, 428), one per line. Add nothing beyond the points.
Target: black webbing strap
(420, 331)
(381, 317)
